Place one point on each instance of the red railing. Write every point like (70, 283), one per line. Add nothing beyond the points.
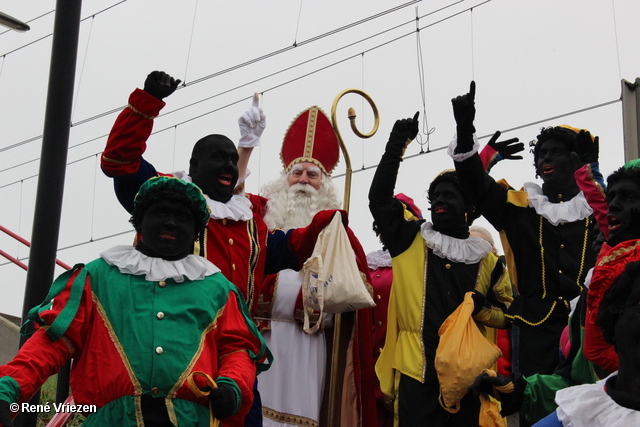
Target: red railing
(59, 419)
(27, 244)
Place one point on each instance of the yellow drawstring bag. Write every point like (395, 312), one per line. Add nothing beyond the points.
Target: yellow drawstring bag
(213, 422)
(462, 354)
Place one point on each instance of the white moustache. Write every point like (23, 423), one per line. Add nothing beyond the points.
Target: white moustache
(303, 190)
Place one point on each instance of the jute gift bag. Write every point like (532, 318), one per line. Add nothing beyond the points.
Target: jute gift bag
(331, 281)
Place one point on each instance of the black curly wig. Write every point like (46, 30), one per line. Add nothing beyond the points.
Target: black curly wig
(557, 133)
(164, 193)
(624, 174)
(452, 177)
(615, 300)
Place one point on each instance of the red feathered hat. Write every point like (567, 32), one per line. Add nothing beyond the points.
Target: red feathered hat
(311, 138)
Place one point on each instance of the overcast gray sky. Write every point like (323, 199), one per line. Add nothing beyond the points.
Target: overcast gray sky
(535, 62)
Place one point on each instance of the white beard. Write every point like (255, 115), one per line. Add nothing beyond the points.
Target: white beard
(294, 206)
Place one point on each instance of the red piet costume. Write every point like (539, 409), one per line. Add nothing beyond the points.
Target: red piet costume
(235, 237)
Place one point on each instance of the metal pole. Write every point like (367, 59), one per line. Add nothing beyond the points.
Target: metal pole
(55, 143)
(631, 119)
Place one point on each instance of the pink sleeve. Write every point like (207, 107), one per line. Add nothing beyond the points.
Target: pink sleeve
(594, 193)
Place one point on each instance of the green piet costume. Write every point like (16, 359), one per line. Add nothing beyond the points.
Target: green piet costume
(138, 326)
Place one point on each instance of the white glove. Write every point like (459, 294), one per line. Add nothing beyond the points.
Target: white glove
(252, 124)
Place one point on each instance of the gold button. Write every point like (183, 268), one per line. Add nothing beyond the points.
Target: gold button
(379, 323)
(378, 275)
(560, 298)
(224, 221)
(231, 241)
(562, 246)
(447, 266)
(162, 283)
(155, 391)
(380, 350)
(379, 297)
(160, 315)
(233, 267)
(562, 223)
(159, 350)
(560, 271)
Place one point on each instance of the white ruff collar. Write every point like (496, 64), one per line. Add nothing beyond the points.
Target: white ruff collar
(469, 251)
(238, 208)
(573, 210)
(131, 261)
(589, 405)
(377, 259)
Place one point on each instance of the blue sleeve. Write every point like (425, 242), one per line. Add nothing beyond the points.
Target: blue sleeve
(127, 186)
(279, 254)
(550, 420)
(597, 175)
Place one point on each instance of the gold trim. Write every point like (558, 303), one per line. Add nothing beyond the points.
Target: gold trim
(116, 342)
(171, 410)
(281, 417)
(72, 348)
(183, 377)
(553, 306)
(603, 194)
(312, 121)
(114, 161)
(137, 403)
(137, 388)
(617, 253)
(146, 116)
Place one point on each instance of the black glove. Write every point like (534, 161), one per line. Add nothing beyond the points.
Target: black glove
(160, 84)
(588, 149)
(511, 401)
(479, 302)
(5, 414)
(223, 401)
(464, 111)
(403, 132)
(507, 148)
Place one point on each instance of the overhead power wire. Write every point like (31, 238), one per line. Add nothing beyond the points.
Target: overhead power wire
(302, 43)
(295, 36)
(118, 109)
(51, 34)
(31, 20)
(615, 34)
(193, 26)
(515, 128)
(409, 157)
(311, 73)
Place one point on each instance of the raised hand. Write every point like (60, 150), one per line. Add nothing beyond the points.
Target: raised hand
(507, 148)
(404, 131)
(252, 124)
(160, 84)
(464, 111)
(588, 147)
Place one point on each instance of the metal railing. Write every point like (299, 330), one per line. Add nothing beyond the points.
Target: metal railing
(62, 391)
